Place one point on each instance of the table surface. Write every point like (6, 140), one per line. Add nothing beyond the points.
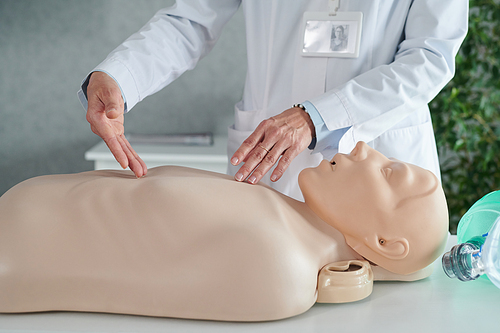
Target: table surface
(168, 153)
(435, 304)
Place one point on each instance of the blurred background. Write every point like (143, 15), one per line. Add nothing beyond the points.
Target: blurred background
(48, 47)
(466, 114)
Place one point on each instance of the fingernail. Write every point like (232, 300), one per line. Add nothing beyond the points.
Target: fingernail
(274, 178)
(252, 180)
(239, 177)
(234, 161)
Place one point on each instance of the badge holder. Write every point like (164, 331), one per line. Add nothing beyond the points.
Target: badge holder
(333, 34)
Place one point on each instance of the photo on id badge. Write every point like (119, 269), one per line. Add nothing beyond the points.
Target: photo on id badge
(340, 38)
(327, 36)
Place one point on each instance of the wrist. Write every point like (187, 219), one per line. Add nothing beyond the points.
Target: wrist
(309, 122)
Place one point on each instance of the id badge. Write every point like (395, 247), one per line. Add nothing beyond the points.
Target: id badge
(327, 35)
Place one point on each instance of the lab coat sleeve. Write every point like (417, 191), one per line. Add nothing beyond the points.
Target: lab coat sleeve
(172, 42)
(374, 101)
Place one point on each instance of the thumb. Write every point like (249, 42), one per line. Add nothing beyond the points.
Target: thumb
(113, 105)
(112, 112)
(104, 94)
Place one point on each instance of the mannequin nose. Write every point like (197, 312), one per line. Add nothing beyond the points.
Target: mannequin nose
(360, 151)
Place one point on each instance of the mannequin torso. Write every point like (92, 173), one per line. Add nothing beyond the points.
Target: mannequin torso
(178, 242)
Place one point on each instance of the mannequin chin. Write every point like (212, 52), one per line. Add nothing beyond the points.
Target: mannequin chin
(188, 243)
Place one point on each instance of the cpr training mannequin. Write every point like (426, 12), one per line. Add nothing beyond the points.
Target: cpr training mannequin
(194, 244)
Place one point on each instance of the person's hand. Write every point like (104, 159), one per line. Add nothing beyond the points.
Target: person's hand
(105, 115)
(285, 136)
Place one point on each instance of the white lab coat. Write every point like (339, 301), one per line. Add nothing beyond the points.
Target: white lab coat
(406, 57)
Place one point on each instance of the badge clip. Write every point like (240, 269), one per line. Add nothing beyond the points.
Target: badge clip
(333, 6)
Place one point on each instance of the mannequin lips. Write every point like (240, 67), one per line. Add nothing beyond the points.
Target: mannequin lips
(334, 165)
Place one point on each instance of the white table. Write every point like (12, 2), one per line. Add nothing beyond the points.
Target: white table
(211, 158)
(435, 304)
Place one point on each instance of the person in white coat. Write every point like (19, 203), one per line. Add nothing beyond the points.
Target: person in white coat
(407, 52)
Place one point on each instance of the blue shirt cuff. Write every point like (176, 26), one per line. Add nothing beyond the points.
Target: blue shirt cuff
(325, 139)
(319, 124)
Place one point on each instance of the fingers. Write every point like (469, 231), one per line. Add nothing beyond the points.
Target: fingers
(260, 166)
(261, 160)
(283, 156)
(125, 155)
(248, 146)
(115, 147)
(135, 163)
(256, 157)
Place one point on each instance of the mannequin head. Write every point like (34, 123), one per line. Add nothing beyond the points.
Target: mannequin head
(392, 213)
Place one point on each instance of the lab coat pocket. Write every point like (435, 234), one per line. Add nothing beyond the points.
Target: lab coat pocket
(246, 120)
(413, 144)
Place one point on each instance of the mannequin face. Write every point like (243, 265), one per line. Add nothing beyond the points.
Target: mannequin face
(353, 187)
(376, 202)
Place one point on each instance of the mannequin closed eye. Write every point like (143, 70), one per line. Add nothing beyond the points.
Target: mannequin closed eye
(399, 174)
(411, 182)
(387, 172)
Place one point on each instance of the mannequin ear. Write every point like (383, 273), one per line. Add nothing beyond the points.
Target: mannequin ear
(394, 248)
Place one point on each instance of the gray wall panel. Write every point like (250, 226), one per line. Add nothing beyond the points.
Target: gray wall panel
(48, 46)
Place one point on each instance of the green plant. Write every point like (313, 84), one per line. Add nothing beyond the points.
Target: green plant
(466, 114)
